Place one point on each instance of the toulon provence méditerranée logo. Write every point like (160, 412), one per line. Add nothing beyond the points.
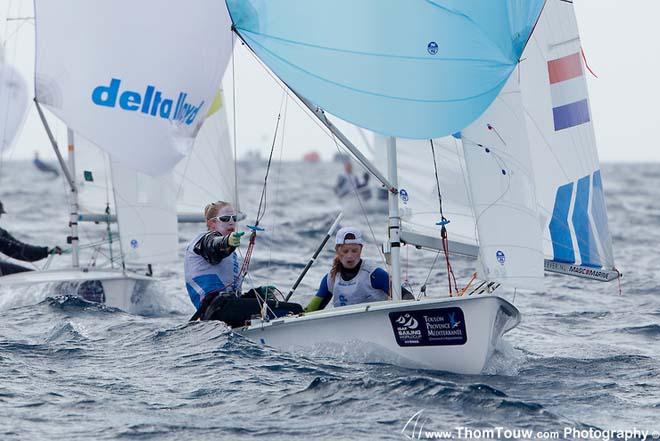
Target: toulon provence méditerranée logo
(151, 102)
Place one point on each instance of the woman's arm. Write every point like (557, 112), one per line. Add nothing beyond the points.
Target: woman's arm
(213, 247)
(322, 297)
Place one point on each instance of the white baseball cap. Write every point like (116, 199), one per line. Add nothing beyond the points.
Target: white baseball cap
(356, 238)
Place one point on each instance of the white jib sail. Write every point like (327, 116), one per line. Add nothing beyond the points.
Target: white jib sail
(207, 174)
(145, 205)
(146, 214)
(13, 103)
(501, 179)
(135, 78)
(563, 145)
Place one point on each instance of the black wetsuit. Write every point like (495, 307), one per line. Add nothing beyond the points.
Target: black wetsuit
(16, 249)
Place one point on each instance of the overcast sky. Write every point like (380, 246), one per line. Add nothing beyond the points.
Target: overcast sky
(621, 40)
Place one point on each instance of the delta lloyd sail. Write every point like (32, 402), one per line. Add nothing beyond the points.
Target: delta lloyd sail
(134, 78)
(140, 94)
(13, 102)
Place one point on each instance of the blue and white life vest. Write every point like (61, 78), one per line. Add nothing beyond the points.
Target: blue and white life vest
(356, 290)
(203, 278)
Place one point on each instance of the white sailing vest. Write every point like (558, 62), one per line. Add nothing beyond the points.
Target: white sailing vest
(356, 290)
(203, 278)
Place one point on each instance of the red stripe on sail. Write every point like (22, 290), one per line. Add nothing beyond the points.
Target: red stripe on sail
(565, 68)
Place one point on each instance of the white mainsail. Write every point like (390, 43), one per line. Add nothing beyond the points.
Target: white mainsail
(563, 146)
(13, 102)
(140, 94)
(501, 179)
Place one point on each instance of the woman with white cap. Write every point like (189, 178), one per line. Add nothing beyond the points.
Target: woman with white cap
(351, 280)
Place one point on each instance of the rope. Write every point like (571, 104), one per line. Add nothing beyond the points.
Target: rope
(261, 210)
(443, 230)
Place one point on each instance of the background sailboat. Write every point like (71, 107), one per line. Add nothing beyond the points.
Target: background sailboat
(144, 129)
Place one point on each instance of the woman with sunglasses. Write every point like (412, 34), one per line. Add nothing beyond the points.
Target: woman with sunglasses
(213, 278)
(351, 280)
(210, 262)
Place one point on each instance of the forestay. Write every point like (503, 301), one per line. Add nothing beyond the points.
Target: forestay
(408, 68)
(13, 102)
(563, 146)
(135, 78)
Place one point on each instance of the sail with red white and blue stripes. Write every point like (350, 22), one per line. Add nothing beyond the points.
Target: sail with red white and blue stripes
(568, 180)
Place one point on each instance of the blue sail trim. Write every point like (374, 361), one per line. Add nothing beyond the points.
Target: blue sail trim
(599, 214)
(585, 239)
(589, 223)
(562, 245)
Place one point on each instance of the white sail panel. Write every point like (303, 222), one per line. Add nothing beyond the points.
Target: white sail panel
(13, 103)
(146, 215)
(501, 182)
(207, 174)
(419, 205)
(135, 78)
(563, 146)
(93, 177)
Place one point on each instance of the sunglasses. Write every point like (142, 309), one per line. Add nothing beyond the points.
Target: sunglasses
(226, 218)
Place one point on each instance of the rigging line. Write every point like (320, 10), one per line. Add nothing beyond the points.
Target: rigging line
(261, 210)
(295, 98)
(233, 86)
(277, 178)
(443, 229)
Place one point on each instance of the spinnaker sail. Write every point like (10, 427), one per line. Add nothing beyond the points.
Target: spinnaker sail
(415, 69)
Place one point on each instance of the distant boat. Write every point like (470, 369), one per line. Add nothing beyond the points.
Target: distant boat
(312, 157)
(44, 166)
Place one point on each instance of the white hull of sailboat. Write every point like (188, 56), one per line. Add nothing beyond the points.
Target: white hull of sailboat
(115, 288)
(456, 334)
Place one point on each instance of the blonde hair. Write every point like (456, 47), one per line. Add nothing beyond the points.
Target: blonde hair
(212, 209)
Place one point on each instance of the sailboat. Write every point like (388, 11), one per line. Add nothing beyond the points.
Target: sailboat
(499, 87)
(133, 118)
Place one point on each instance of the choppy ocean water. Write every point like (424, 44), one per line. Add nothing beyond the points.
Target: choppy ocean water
(584, 358)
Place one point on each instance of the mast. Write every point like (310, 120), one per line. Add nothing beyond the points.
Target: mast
(394, 221)
(73, 212)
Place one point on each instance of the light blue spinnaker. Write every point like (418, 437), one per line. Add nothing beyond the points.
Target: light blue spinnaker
(409, 68)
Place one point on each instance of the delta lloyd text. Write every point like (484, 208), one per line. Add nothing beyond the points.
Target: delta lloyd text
(151, 102)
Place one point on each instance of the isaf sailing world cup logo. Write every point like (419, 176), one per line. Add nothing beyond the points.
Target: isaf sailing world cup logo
(407, 321)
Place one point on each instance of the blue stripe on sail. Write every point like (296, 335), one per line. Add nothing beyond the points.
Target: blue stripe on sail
(570, 115)
(599, 215)
(560, 234)
(585, 238)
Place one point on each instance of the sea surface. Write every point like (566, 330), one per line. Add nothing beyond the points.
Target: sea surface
(586, 357)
